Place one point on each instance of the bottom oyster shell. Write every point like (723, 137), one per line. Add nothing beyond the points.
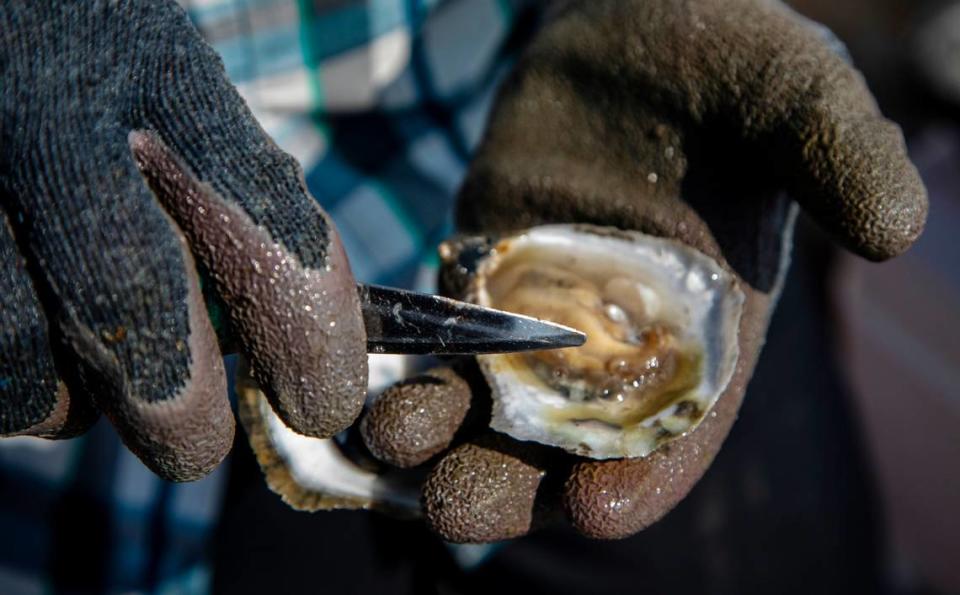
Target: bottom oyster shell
(317, 474)
(661, 321)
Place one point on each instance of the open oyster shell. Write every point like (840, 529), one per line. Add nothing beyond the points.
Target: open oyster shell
(661, 321)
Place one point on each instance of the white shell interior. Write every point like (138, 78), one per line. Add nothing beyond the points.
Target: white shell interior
(682, 286)
(320, 467)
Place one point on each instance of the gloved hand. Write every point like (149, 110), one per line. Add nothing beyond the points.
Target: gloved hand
(122, 147)
(684, 119)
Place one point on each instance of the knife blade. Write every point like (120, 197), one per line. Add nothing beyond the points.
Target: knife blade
(401, 321)
(409, 322)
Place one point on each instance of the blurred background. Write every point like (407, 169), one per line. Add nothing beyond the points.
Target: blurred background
(841, 475)
(898, 324)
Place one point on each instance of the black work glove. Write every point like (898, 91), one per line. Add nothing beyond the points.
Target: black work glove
(122, 147)
(678, 118)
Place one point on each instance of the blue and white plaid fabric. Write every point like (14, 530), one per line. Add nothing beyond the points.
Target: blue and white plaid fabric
(382, 102)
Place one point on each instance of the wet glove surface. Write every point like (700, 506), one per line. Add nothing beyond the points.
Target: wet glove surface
(686, 120)
(124, 152)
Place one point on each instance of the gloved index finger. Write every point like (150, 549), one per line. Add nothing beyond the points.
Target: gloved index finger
(300, 327)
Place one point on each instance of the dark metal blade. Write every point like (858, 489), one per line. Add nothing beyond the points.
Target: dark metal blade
(400, 321)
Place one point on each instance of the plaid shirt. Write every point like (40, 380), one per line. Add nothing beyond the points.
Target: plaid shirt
(382, 102)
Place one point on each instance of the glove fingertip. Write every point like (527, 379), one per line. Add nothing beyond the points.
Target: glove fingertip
(485, 490)
(186, 436)
(313, 372)
(614, 499)
(863, 188)
(416, 419)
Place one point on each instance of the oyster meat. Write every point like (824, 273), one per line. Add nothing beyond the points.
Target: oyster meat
(661, 320)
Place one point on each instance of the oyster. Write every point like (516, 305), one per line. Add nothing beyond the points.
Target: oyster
(661, 320)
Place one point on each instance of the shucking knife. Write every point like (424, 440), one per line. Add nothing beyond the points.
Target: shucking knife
(402, 321)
